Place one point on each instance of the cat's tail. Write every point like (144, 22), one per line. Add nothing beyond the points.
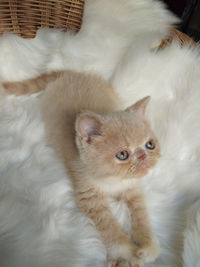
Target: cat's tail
(31, 86)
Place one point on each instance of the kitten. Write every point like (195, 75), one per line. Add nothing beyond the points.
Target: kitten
(105, 150)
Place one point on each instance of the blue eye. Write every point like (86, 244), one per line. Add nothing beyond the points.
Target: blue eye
(122, 155)
(150, 145)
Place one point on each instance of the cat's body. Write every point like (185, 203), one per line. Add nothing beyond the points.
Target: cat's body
(89, 134)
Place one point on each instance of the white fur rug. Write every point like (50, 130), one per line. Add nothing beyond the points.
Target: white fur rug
(39, 223)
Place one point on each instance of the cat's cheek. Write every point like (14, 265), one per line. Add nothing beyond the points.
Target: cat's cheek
(142, 172)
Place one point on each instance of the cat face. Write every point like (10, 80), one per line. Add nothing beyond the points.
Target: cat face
(120, 145)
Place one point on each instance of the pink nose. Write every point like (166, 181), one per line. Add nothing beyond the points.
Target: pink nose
(143, 156)
(140, 154)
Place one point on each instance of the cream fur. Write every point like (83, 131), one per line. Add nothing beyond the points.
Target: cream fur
(111, 186)
(33, 181)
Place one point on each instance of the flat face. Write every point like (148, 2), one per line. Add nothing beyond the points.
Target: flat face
(126, 148)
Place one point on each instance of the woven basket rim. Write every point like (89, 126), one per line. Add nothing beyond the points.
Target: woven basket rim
(25, 17)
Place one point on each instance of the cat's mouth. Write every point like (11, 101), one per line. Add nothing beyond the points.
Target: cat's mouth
(142, 163)
(140, 168)
(142, 160)
(145, 164)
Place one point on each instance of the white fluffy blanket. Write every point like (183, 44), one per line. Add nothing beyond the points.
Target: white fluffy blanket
(39, 223)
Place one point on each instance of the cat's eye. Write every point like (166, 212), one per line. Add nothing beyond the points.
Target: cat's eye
(122, 155)
(150, 145)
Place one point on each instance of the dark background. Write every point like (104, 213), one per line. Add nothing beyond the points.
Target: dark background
(189, 12)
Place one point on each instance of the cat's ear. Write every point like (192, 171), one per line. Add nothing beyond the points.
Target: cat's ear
(88, 124)
(140, 106)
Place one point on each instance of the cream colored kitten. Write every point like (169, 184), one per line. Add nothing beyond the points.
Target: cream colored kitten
(106, 151)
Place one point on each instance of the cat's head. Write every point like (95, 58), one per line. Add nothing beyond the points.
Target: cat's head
(120, 144)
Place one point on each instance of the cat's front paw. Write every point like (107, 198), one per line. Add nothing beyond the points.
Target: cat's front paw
(149, 252)
(125, 255)
(124, 263)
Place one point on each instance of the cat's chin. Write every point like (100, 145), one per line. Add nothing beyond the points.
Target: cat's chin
(114, 185)
(143, 170)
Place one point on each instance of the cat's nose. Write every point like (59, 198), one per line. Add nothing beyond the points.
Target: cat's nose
(140, 154)
(143, 156)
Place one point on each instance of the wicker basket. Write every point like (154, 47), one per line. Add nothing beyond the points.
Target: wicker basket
(25, 17)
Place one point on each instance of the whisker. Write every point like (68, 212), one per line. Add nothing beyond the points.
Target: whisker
(131, 169)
